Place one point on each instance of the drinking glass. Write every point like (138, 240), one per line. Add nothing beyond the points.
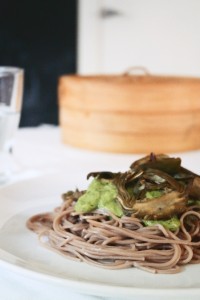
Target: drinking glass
(11, 93)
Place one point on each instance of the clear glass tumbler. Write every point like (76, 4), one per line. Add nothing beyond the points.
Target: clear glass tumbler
(11, 94)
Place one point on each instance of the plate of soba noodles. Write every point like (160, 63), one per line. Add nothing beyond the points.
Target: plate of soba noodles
(135, 232)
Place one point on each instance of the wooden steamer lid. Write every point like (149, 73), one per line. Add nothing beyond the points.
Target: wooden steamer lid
(130, 114)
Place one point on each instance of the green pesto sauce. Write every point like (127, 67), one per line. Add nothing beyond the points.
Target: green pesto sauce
(100, 194)
(193, 202)
(172, 224)
(153, 194)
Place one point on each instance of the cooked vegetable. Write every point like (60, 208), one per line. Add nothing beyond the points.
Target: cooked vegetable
(155, 187)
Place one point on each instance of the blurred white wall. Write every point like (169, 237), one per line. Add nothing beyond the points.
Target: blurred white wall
(161, 35)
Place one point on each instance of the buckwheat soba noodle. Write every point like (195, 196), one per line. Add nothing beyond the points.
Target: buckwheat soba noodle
(147, 218)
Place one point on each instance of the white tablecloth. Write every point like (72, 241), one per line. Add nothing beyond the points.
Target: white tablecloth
(40, 156)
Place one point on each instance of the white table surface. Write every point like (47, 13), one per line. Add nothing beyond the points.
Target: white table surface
(40, 157)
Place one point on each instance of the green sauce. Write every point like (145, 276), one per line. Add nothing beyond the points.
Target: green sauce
(153, 194)
(194, 202)
(100, 194)
(172, 224)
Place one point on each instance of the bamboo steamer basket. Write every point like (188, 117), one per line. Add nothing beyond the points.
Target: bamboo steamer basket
(130, 113)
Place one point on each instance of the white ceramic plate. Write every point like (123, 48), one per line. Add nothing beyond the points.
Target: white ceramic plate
(21, 252)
